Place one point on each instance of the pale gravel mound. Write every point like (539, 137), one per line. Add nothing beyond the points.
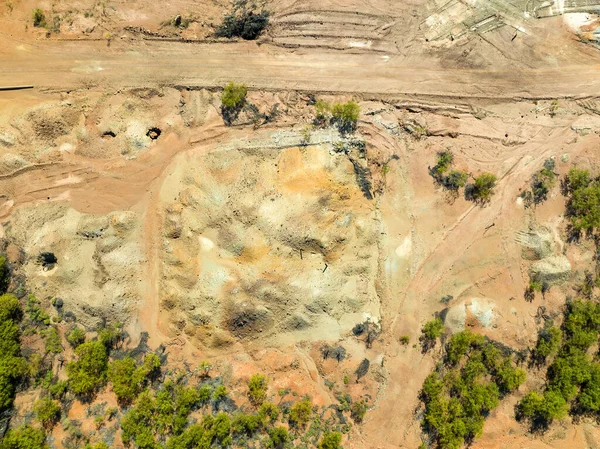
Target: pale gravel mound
(553, 270)
(537, 243)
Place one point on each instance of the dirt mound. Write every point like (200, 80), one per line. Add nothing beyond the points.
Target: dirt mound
(553, 270)
(537, 243)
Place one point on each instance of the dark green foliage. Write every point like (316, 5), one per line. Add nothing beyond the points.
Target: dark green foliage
(482, 190)
(573, 378)
(454, 180)
(432, 330)
(244, 22)
(24, 438)
(269, 412)
(331, 440)
(4, 274)
(12, 366)
(37, 315)
(583, 205)
(112, 335)
(160, 415)
(542, 182)
(246, 425)
(128, 379)
(257, 389)
(542, 409)
(459, 395)
(76, 336)
(451, 180)
(576, 179)
(549, 342)
(219, 394)
(59, 389)
(359, 410)
(278, 437)
(89, 372)
(300, 413)
(52, 341)
(47, 412)
(39, 18)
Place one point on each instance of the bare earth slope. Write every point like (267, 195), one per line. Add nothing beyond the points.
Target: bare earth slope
(252, 245)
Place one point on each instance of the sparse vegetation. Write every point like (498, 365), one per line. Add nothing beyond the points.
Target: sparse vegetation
(432, 330)
(343, 115)
(39, 18)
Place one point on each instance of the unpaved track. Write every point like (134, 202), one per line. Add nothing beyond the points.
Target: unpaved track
(70, 65)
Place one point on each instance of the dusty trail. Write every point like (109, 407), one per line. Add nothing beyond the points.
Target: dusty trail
(64, 65)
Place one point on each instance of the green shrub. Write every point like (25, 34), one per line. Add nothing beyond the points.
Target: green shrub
(576, 179)
(39, 18)
(24, 437)
(482, 189)
(359, 410)
(76, 336)
(278, 437)
(542, 182)
(269, 412)
(47, 412)
(52, 341)
(543, 409)
(322, 110)
(300, 413)
(4, 275)
(257, 389)
(12, 366)
(549, 342)
(246, 425)
(459, 395)
(345, 115)
(331, 440)
(219, 394)
(89, 372)
(59, 389)
(126, 379)
(234, 95)
(404, 340)
(111, 335)
(433, 329)
(244, 22)
(445, 159)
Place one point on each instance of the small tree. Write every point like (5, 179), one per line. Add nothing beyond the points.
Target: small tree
(24, 437)
(359, 410)
(89, 372)
(234, 95)
(233, 99)
(331, 440)
(432, 330)
(257, 389)
(39, 18)
(47, 412)
(300, 413)
(52, 341)
(346, 115)
(75, 337)
(278, 437)
(482, 189)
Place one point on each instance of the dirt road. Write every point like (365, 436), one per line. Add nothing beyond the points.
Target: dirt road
(66, 65)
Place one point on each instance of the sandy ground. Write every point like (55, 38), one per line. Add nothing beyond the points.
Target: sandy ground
(244, 246)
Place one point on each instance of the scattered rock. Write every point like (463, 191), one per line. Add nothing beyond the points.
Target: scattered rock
(154, 133)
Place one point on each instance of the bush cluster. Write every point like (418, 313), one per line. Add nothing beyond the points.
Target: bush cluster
(245, 22)
(12, 366)
(465, 388)
(343, 115)
(583, 205)
(573, 377)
